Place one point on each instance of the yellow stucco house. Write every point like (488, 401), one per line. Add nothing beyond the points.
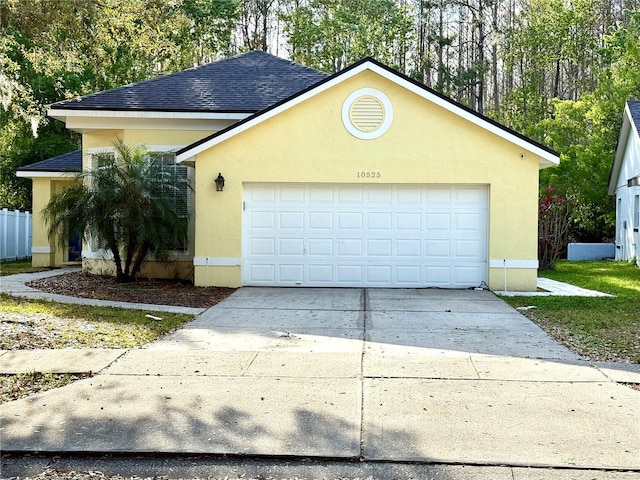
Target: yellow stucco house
(365, 178)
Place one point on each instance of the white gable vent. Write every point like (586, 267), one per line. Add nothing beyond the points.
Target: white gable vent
(367, 113)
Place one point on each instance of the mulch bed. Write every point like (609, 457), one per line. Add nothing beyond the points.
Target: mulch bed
(155, 292)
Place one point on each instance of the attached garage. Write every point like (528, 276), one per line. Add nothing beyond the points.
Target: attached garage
(364, 235)
(367, 179)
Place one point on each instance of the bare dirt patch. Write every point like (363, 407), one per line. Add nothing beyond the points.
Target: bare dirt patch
(154, 292)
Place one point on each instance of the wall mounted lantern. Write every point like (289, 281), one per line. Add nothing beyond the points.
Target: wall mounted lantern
(219, 183)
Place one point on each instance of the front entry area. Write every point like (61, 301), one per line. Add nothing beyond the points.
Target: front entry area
(374, 235)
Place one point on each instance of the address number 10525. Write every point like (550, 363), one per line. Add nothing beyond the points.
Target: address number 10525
(369, 175)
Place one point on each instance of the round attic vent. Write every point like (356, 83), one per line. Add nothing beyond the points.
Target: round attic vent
(367, 113)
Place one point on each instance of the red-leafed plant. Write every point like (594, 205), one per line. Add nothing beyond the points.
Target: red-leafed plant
(554, 218)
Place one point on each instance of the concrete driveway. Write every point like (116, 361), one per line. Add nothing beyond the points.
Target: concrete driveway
(378, 374)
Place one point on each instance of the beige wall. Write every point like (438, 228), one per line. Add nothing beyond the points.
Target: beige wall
(96, 141)
(424, 145)
(43, 189)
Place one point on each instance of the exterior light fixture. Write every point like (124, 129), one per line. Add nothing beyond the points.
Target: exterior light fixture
(219, 182)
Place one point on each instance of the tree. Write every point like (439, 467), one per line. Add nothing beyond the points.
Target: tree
(52, 50)
(331, 34)
(585, 133)
(126, 206)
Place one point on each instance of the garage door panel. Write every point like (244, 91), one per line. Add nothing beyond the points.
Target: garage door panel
(293, 194)
(439, 196)
(350, 195)
(294, 220)
(379, 274)
(349, 220)
(469, 195)
(265, 220)
(409, 195)
(320, 195)
(350, 274)
(291, 273)
(262, 273)
(350, 247)
(263, 194)
(438, 275)
(379, 221)
(438, 221)
(468, 249)
(379, 248)
(468, 274)
(262, 246)
(321, 274)
(359, 235)
(321, 247)
(321, 220)
(382, 195)
(408, 221)
(409, 275)
(438, 249)
(409, 248)
(469, 221)
(291, 246)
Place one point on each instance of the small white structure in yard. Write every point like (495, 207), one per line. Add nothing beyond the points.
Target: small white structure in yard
(624, 183)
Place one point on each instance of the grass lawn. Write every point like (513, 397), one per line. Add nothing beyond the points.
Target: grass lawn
(20, 266)
(69, 325)
(601, 328)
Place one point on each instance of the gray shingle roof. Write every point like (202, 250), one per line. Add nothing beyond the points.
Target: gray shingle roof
(328, 78)
(245, 83)
(67, 162)
(634, 108)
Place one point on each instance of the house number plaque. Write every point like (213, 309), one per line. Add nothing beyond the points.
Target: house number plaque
(369, 174)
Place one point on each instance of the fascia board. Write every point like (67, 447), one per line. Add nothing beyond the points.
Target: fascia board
(546, 159)
(625, 130)
(53, 112)
(44, 174)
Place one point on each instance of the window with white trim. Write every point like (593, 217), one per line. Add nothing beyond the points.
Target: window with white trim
(179, 197)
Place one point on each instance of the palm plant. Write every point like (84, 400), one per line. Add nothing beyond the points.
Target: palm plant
(126, 206)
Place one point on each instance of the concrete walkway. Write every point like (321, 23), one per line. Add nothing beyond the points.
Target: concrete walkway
(16, 285)
(454, 377)
(553, 288)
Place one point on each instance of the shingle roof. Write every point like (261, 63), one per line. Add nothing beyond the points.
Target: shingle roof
(67, 162)
(634, 108)
(245, 83)
(393, 72)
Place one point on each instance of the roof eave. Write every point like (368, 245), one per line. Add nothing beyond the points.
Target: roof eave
(547, 157)
(621, 146)
(46, 174)
(64, 113)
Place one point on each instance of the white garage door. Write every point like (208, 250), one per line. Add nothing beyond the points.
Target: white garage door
(364, 235)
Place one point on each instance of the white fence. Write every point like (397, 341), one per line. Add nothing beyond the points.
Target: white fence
(15, 235)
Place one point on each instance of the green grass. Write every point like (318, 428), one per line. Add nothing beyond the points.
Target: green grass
(20, 266)
(109, 327)
(598, 328)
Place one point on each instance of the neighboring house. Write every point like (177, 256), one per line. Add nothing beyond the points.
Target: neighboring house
(362, 178)
(624, 183)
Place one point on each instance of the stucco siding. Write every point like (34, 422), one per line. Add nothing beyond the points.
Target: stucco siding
(424, 145)
(47, 252)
